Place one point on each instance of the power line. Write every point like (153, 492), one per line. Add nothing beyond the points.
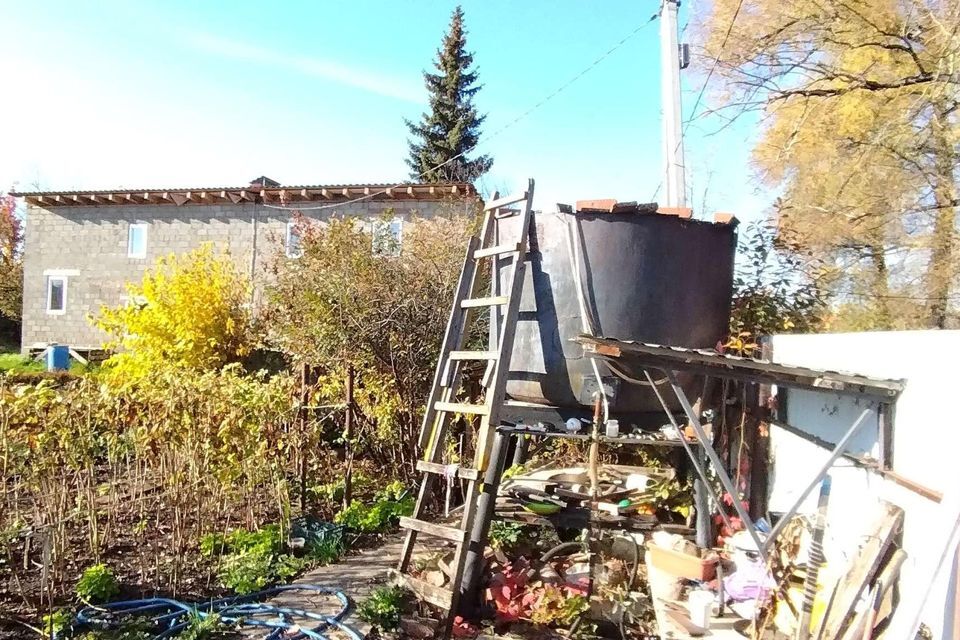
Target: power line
(493, 135)
(713, 67)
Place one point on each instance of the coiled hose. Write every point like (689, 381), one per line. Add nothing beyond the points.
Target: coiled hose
(169, 617)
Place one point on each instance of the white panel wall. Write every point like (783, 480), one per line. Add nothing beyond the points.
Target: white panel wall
(926, 439)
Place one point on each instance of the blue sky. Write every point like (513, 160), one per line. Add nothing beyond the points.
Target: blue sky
(112, 93)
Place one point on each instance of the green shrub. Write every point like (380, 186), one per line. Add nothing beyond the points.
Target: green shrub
(56, 622)
(384, 512)
(505, 534)
(252, 560)
(384, 606)
(97, 584)
(17, 363)
(332, 492)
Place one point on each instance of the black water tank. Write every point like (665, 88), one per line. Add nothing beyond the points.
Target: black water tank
(646, 277)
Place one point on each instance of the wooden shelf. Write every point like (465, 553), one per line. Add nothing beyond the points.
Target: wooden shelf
(634, 440)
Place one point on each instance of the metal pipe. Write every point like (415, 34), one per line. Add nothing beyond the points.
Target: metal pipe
(701, 472)
(486, 501)
(837, 452)
(520, 449)
(701, 501)
(814, 562)
(714, 458)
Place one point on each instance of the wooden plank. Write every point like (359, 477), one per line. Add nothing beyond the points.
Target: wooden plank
(473, 355)
(436, 596)
(496, 392)
(863, 568)
(441, 469)
(499, 203)
(463, 407)
(431, 529)
(484, 302)
(496, 250)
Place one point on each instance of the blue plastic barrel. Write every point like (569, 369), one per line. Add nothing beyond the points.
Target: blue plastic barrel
(58, 357)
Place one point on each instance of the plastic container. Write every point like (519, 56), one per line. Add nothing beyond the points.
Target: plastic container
(613, 428)
(58, 357)
(700, 607)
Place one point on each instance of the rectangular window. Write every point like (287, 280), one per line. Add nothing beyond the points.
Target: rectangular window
(137, 240)
(387, 237)
(293, 242)
(56, 294)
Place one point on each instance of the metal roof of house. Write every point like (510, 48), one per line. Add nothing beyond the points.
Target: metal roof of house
(640, 355)
(280, 194)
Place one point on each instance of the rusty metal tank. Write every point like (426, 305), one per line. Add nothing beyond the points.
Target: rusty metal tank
(646, 276)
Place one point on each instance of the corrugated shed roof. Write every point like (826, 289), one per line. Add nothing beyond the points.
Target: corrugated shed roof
(710, 362)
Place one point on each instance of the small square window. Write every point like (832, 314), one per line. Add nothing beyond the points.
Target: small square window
(293, 242)
(137, 240)
(56, 294)
(387, 237)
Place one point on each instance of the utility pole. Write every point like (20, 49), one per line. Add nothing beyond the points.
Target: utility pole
(671, 61)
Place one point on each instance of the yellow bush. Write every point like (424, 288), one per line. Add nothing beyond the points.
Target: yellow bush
(190, 311)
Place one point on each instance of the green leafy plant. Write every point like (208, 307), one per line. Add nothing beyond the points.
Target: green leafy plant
(56, 622)
(505, 534)
(384, 512)
(252, 560)
(97, 584)
(384, 606)
(556, 606)
(201, 627)
(136, 629)
(332, 492)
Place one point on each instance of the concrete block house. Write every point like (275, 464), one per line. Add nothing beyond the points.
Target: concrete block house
(82, 247)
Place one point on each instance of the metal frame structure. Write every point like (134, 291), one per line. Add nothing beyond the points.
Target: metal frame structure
(671, 360)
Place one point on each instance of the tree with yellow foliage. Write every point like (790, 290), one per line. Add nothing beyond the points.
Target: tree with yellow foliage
(189, 311)
(860, 102)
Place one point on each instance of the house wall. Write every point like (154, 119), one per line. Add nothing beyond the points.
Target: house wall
(89, 243)
(925, 447)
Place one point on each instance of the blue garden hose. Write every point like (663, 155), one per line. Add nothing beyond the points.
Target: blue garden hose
(169, 617)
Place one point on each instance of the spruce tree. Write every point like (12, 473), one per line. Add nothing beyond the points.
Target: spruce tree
(452, 126)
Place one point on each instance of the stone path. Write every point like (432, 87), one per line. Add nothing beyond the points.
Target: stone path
(356, 575)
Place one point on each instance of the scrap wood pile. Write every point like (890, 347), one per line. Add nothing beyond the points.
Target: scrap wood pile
(790, 592)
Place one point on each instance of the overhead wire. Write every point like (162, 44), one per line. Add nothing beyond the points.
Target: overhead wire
(550, 96)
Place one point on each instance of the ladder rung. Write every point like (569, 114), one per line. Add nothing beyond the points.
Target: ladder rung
(459, 407)
(496, 251)
(473, 355)
(499, 203)
(437, 596)
(484, 302)
(431, 529)
(441, 469)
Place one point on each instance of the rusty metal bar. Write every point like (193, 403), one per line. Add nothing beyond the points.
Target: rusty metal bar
(722, 475)
(694, 458)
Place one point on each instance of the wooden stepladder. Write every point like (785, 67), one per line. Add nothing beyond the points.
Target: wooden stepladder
(468, 303)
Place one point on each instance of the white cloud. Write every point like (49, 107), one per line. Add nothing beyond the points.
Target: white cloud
(372, 81)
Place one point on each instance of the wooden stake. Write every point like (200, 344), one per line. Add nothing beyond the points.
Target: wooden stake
(348, 428)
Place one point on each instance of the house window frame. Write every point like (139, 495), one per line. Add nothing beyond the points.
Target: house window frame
(64, 280)
(382, 225)
(144, 228)
(288, 245)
